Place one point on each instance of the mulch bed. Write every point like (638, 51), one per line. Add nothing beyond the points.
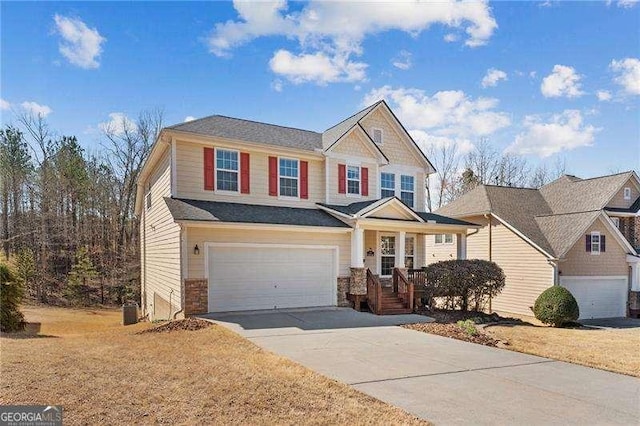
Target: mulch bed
(189, 324)
(454, 331)
(445, 316)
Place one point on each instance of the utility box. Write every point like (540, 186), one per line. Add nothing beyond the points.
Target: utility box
(129, 313)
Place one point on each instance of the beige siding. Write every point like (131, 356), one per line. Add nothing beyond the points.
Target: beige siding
(355, 145)
(611, 262)
(440, 252)
(190, 181)
(371, 243)
(335, 198)
(527, 271)
(201, 235)
(619, 201)
(478, 243)
(161, 240)
(393, 144)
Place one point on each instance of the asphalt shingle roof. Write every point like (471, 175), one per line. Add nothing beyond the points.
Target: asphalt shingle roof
(349, 209)
(553, 217)
(252, 131)
(215, 211)
(334, 133)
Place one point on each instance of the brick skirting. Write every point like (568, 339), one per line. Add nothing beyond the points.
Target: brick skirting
(196, 297)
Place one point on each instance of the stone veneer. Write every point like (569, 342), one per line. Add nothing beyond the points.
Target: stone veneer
(358, 282)
(630, 228)
(343, 289)
(196, 296)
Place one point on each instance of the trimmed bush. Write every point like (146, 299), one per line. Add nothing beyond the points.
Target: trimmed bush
(11, 319)
(462, 283)
(556, 306)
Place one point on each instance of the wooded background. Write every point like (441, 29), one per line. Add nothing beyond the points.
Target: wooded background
(68, 224)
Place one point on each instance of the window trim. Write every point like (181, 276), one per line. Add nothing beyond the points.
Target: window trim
(596, 234)
(381, 235)
(626, 193)
(387, 189)
(215, 172)
(346, 178)
(373, 130)
(289, 197)
(413, 193)
(444, 240)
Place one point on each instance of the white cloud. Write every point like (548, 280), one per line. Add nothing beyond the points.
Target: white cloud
(118, 124)
(189, 118)
(562, 132)
(36, 109)
(332, 32)
(563, 81)
(533, 74)
(403, 60)
(277, 85)
(4, 105)
(451, 37)
(626, 4)
(492, 77)
(444, 118)
(80, 44)
(603, 95)
(317, 67)
(628, 74)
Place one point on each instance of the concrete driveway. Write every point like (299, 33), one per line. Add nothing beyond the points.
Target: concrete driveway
(613, 322)
(442, 380)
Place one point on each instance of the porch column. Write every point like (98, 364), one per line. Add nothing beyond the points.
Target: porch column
(461, 243)
(635, 279)
(400, 253)
(357, 248)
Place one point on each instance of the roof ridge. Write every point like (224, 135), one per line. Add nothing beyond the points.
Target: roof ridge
(603, 176)
(265, 123)
(509, 187)
(191, 121)
(568, 213)
(353, 115)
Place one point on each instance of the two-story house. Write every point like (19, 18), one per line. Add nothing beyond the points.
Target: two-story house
(239, 215)
(583, 234)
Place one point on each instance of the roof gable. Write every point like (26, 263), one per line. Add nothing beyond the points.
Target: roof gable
(357, 141)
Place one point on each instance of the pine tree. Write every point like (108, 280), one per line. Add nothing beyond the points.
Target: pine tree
(81, 277)
(26, 270)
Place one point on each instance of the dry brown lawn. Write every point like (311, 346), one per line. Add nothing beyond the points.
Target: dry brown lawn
(613, 350)
(102, 372)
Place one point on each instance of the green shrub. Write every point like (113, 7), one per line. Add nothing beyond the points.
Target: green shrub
(468, 326)
(464, 282)
(556, 306)
(11, 319)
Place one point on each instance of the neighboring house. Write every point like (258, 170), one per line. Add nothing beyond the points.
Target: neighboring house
(239, 215)
(583, 234)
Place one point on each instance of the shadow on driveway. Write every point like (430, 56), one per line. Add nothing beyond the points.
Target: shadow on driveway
(312, 319)
(613, 322)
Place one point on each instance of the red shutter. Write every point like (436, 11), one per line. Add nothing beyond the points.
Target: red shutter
(244, 173)
(342, 179)
(588, 243)
(209, 171)
(602, 245)
(304, 179)
(365, 180)
(273, 176)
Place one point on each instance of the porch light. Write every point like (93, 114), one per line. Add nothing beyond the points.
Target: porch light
(196, 250)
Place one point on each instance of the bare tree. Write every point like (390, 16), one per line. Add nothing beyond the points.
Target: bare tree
(440, 187)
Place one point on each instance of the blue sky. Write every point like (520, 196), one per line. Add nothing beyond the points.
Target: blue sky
(544, 80)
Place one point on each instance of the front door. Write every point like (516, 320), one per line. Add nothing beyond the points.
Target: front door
(387, 255)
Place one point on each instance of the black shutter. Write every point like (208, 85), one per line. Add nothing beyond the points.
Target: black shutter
(602, 245)
(588, 243)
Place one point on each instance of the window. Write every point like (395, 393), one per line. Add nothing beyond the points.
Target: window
(444, 238)
(353, 180)
(409, 249)
(627, 193)
(595, 243)
(387, 185)
(616, 221)
(288, 177)
(147, 200)
(227, 170)
(376, 135)
(387, 255)
(407, 190)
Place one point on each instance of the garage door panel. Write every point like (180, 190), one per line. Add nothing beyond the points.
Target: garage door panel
(268, 277)
(598, 297)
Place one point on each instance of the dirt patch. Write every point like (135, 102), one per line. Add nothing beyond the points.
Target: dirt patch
(188, 324)
(454, 331)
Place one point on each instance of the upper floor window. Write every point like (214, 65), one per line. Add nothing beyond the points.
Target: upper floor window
(376, 135)
(353, 180)
(627, 193)
(444, 238)
(616, 221)
(289, 177)
(227, 167)
(595, 243)
(407, 190)
(387, 185)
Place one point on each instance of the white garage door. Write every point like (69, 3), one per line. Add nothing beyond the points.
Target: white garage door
(598, 297)
(243, 277)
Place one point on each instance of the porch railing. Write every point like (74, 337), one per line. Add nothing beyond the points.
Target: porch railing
(403, 287)
(374, 293)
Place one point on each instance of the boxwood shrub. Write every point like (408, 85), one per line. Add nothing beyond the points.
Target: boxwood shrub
(556, 306)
